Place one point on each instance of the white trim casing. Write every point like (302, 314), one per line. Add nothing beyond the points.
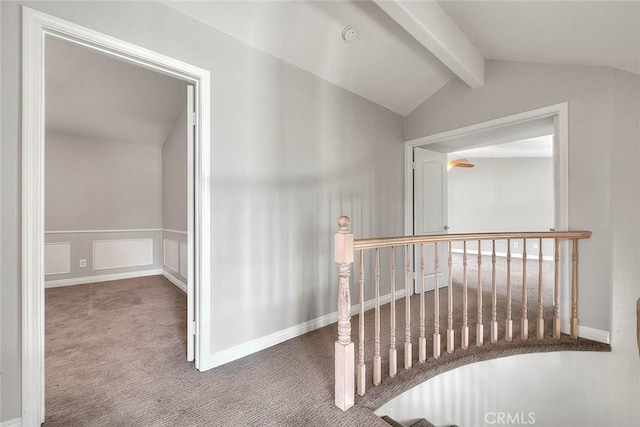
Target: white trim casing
(168, 230)
(560, 175)
(258, 344)
(130, 230)
(36, 26)
(100, 278)
(16, 422)
(175, 280)
(593, 334)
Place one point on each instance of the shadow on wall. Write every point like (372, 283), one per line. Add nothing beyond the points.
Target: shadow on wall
(284, 229)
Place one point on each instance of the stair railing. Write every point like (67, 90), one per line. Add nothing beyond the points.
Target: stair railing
(350, 377)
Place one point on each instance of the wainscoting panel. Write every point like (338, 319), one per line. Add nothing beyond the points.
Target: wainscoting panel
(57, 258)
(109, 254)
(171, 255)
(183, 260)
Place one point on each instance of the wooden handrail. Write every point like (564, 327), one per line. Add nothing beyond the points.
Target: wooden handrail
(385, 242)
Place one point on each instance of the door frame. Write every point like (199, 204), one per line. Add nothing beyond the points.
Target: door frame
(560, 113)
(36, 26)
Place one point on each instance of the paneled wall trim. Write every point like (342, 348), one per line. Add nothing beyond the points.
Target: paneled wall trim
(57, 258)
(175, 256)
(171, 258)
(131, 230)
(109, 254)
(136, 230)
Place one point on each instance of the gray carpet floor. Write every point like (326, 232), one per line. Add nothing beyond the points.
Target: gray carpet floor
(115, 356)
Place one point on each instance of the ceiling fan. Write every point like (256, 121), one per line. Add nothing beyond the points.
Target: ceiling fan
(459, 163)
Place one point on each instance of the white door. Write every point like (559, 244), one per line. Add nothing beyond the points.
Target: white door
(191, 295)
(430, 213)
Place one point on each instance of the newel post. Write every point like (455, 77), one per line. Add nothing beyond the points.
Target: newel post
(344, 348)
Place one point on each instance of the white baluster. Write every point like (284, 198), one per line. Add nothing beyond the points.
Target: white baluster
(408, 280)
(556, 289)
(524, 321)
(450, 331)
(361, 373)
(479, 325)
(465, 300)
(393, 352)
(377, 360)
(422, 340)
(494, 295)
(574, 290)
(508, 333)
(540, 329)
(436, 304)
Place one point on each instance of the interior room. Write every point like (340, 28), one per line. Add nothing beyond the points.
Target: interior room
(309, 242)
(115, 220)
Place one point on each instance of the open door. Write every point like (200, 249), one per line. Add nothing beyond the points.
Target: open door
(430, 212)
(191, 295)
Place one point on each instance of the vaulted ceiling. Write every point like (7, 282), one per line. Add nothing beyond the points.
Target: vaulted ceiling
(89, 94)
(407, 50)
(404, 52)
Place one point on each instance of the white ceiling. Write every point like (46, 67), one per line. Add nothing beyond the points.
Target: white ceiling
(532, 147)
(384, 64)
(605, 33)
(529, 129)
(90, 94)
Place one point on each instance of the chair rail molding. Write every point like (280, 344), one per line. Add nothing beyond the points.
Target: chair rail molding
(36, 26)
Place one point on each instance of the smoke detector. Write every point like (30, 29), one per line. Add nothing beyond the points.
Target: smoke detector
(349, 34)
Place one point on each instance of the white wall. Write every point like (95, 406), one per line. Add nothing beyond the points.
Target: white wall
(174, 176)
(554, 389)
(290, 153)
(502, 194)
(587, 389)
(513, 87)
(174, 200)
(96, 185)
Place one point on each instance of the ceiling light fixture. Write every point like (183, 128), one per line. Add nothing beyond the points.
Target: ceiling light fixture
(349, 34)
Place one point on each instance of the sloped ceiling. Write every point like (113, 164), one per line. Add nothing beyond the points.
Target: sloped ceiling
(384, 64)
(601, 33)
(93, 95)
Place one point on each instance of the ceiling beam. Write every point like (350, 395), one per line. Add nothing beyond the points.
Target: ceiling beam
(428, 23)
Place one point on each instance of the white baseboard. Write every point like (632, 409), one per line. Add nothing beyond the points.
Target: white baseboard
(593, 334)
(503, 254)
(100, 278)
(259, 344)
(176, 281)
(16, 422)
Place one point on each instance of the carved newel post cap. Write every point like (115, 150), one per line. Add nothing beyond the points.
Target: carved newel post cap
(343, 223)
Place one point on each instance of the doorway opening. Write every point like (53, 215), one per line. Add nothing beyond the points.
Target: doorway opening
(116, 211)
(38, 28)
(427, 170)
